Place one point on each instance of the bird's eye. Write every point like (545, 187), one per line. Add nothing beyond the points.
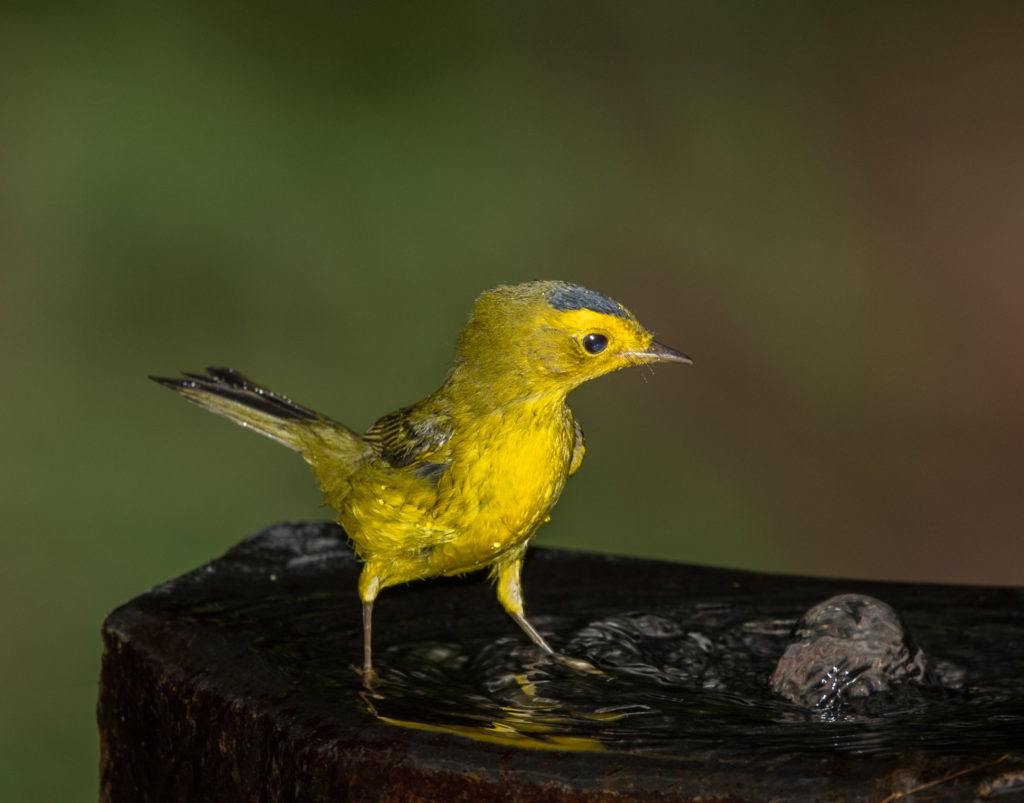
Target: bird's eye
(595, 343)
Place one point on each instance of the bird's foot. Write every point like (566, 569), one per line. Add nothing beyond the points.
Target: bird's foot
(576, 664)
(369, 677)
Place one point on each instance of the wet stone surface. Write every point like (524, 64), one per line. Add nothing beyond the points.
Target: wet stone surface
(236, 682)
(851, 654)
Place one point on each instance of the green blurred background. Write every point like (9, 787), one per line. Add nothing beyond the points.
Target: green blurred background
(822, 203)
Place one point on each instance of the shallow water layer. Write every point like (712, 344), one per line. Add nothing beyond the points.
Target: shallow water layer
(673, 682)
(684, 655)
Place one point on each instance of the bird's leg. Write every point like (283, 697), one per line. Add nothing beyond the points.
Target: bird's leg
(510, 595)
(368, 675)
(531, 631)
(369, 585)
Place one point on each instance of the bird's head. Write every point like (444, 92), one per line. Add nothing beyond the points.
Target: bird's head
(548, 337)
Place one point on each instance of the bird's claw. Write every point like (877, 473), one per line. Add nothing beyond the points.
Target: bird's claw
(370, 678)
(576, 664)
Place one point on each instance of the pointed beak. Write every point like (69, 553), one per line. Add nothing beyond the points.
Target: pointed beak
(659, 353)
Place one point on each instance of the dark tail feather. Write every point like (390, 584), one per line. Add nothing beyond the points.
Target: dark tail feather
(229, 384)
(233, 395)
(333, 450)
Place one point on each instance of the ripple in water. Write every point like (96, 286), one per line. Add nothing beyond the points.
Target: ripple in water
(683, 682)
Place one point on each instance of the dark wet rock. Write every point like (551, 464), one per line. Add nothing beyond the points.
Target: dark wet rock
(847, 648)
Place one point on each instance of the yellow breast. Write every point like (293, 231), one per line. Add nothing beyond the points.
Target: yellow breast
(506, 472)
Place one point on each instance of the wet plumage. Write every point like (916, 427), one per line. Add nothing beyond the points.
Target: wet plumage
(461, 480)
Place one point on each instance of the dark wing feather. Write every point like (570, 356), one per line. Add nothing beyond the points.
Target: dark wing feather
(409, 435)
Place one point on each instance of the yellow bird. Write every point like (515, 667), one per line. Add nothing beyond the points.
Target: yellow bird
(461, 480)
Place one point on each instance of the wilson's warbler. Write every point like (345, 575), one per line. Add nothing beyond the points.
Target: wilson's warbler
(461, 480)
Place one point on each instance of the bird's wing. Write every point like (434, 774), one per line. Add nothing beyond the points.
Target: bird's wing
(578, 448)
(410, 435)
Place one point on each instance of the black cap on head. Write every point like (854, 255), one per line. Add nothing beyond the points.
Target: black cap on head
(566, 297)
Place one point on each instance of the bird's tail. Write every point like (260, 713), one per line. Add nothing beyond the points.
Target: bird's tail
(233, 395)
